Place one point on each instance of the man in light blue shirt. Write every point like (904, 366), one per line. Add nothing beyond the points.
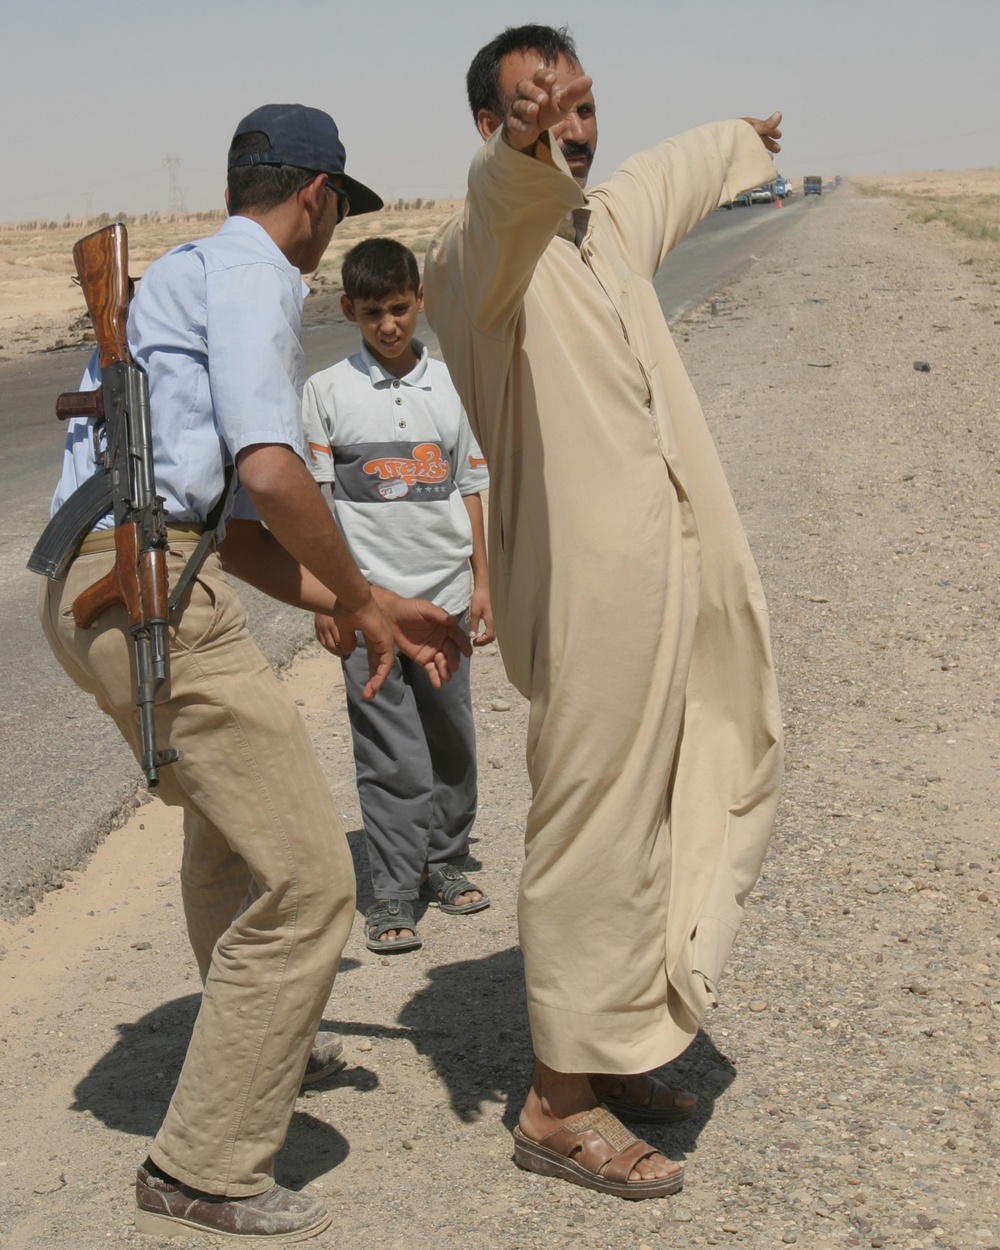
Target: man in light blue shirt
(267, 879)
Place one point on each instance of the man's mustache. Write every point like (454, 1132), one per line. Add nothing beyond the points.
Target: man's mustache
(570, 150)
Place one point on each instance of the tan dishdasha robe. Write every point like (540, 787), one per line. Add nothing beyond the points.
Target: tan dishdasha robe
(627, 604)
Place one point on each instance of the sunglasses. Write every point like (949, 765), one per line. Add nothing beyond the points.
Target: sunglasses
(343, 202)
(343, 199)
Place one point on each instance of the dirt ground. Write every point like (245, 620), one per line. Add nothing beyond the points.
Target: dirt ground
(955, 183)
(849, 1084)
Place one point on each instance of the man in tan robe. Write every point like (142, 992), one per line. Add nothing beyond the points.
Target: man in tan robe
(627, 604)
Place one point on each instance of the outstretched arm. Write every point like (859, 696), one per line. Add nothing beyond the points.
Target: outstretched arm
(658, 196)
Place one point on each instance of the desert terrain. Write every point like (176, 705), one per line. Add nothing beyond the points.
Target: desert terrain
(42, 307)
(849, 1083)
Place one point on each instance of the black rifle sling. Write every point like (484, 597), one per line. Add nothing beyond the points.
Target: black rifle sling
(204, 543)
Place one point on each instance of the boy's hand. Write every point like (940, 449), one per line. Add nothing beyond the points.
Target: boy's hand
(425, 633)
(326, 632)
(378, 639)
(538, 106)
(481, 618)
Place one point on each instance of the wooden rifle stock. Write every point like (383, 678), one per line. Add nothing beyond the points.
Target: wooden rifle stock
(102, 263)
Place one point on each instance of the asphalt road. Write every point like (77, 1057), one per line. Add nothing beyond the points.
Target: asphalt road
(64, 773)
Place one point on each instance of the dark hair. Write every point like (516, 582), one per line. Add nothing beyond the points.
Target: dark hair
(483, 79)
(261, 187)
(376, 268)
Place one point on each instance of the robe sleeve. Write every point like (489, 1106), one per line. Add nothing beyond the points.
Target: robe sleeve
(658, 196)
(488, 253)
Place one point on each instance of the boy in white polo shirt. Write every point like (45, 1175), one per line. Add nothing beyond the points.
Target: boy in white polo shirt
(386, 428)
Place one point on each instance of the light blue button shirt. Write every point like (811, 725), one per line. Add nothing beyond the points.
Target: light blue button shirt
(216, 325)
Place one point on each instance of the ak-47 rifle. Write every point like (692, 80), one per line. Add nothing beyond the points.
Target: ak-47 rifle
(123, 482)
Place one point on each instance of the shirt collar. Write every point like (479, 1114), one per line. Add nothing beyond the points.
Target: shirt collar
(574, 226)
(246, 225)
(418, 376)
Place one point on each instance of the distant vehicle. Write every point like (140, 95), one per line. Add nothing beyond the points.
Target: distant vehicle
(742, 199)
(812, 184)
(763, 194)
(781, 187)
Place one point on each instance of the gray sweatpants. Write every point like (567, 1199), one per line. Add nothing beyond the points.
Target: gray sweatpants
(415, 758)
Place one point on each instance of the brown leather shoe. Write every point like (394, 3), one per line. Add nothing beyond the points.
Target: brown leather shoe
(325, 1058)
(166, 1208)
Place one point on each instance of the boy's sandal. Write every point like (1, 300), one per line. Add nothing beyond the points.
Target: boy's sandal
(384, 916)
(597, 1151)
(447, 883)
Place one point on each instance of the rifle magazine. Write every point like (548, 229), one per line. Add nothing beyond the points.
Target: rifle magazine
(60, 540)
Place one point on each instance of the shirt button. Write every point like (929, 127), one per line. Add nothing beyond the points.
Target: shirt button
(396, 385)
(402, 425)
(398, 400)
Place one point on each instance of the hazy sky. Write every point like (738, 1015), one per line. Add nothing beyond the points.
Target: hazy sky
(95, 96)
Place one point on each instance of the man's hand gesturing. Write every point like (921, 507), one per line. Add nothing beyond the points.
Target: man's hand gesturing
(539, 105)
(768, 129)
(425, 633)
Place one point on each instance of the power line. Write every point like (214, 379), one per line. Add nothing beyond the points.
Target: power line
(175, 200)
(82, 188)
(912, 143)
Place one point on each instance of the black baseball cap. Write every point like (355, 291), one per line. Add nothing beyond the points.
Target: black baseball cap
(306, 138)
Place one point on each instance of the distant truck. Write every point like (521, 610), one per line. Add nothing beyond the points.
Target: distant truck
(812, 184)
(781, 187)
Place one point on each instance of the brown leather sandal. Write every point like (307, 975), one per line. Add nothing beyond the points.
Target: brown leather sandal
(642, 1110)
(597, 1151)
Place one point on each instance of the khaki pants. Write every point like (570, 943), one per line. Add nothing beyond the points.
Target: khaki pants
(267, 877)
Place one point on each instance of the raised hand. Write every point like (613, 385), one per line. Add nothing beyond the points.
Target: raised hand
(768, 129)
(539, 105)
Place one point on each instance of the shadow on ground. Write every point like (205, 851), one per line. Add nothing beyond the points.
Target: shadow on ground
(471, 1023)
(129, 1088)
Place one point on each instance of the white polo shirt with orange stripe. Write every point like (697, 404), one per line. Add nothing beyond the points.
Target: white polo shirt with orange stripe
(400, 455)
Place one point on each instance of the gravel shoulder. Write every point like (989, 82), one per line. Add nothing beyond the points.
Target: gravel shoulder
(850, 1082)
